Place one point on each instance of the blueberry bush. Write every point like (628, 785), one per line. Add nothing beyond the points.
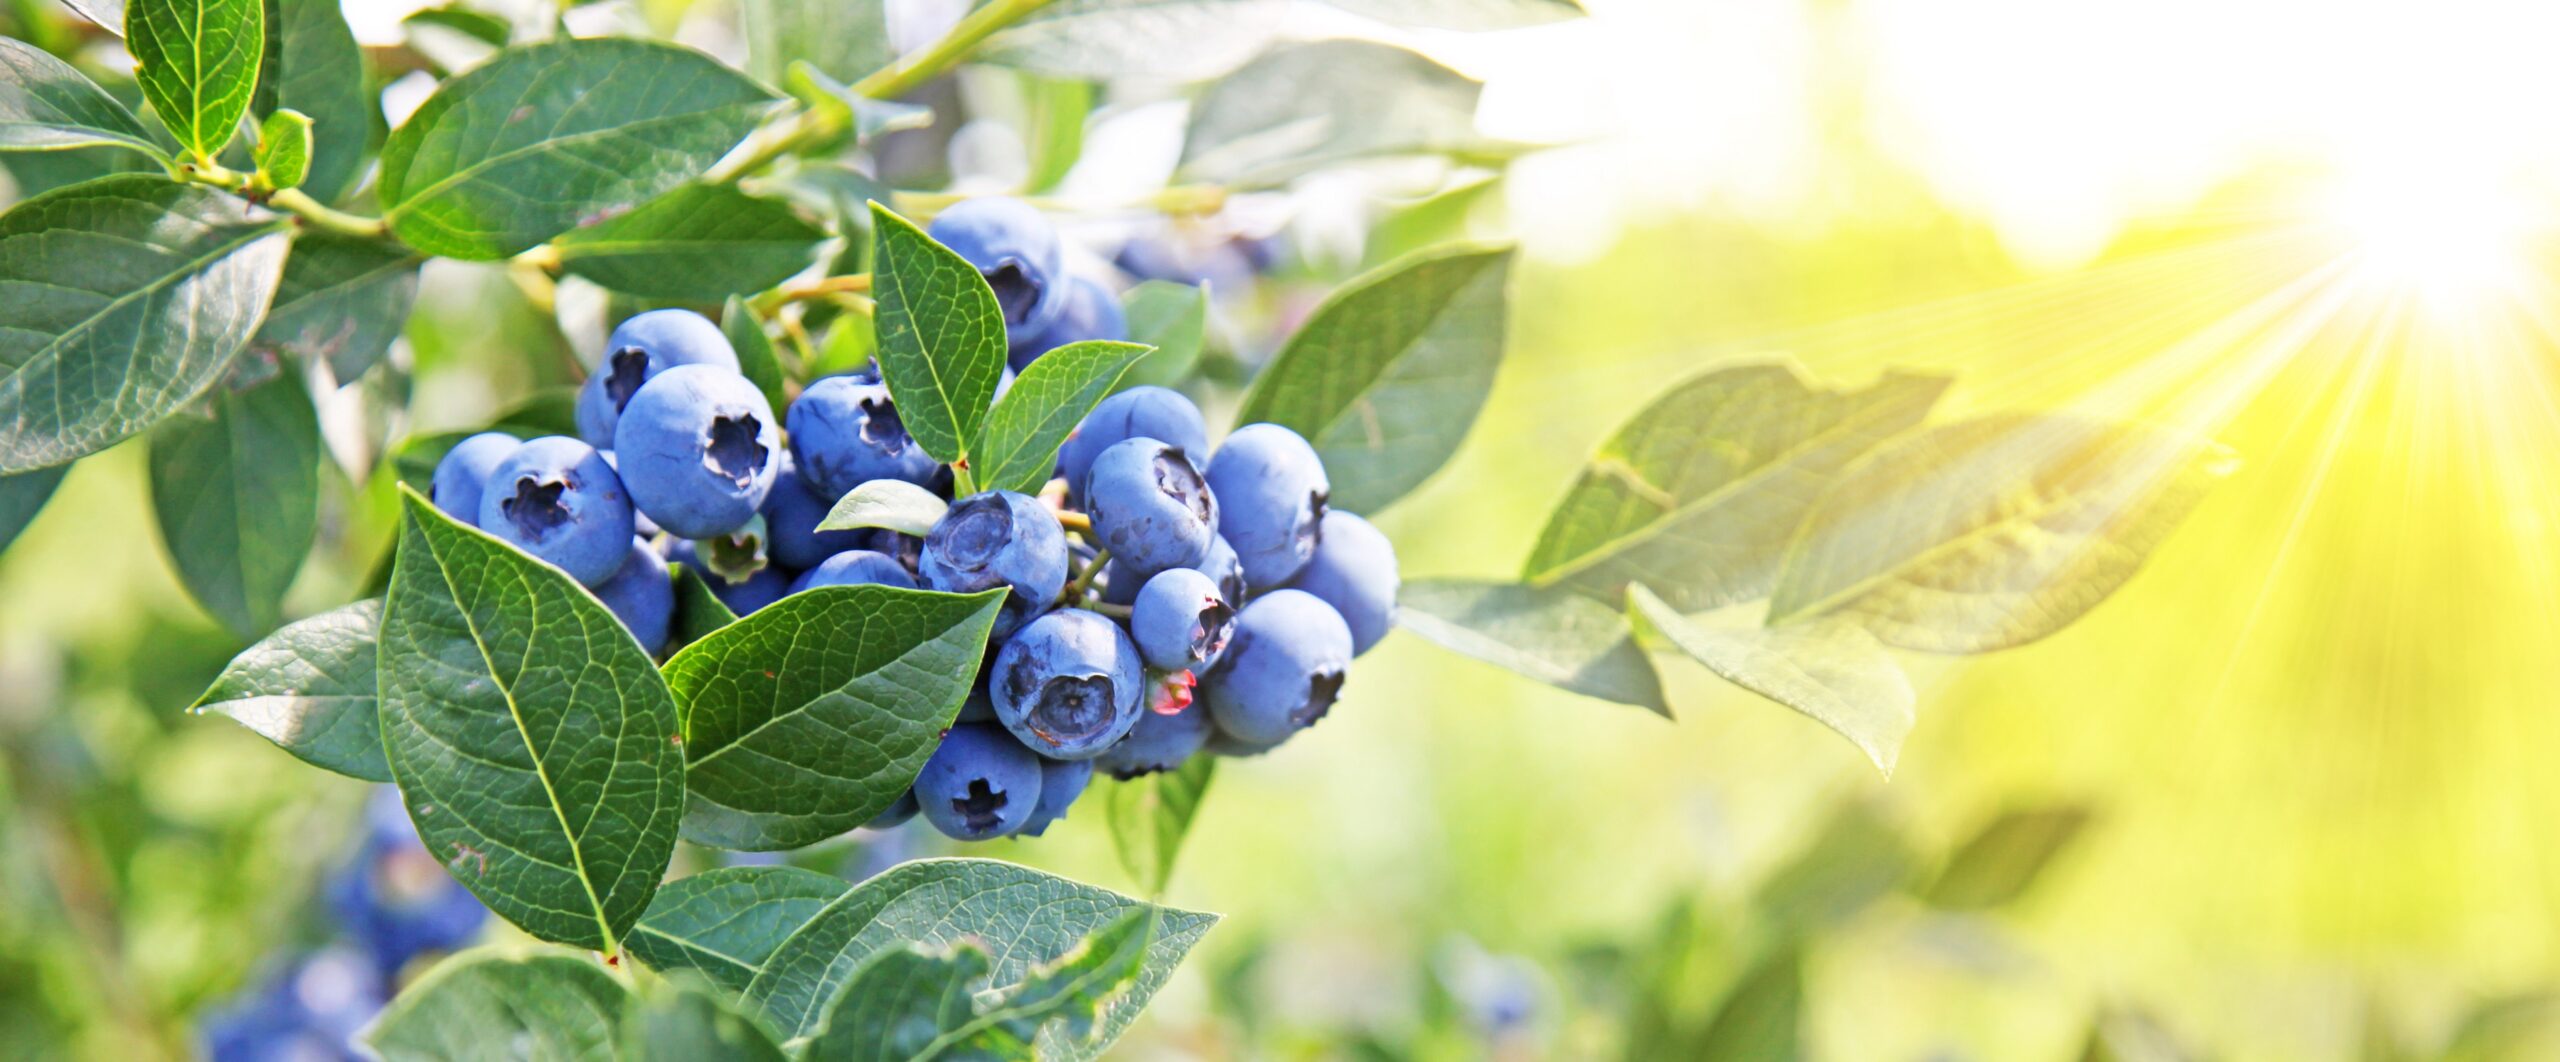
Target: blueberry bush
(885, 494)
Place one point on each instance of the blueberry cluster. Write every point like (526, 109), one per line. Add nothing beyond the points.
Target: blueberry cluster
(1170, 600)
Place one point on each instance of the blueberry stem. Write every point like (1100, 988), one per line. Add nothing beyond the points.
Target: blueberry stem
(771, 302)
(1106, 608)
(1074, 521)
(1083, 583)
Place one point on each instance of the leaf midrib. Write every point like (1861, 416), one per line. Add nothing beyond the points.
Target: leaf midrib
(410, 200)
(1324, 430)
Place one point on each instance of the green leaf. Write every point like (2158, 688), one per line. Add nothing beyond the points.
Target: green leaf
(1389, 374)
(941, 335)
(1698, 495)
(1760, 1017)
(1054, 128)
(912, 1003)
(534, 743)
(108, 14)
(755, 351)
(238, 499)
(1856, 859)
(891, 503)
(1174, 319)
(684, 1023)
(22, 496)
(813, 715)
(1176, 40)
(479, 26)
(844, 39)
(1559, 638)
(197, 61)
(698, 611)
(313, 65)
(122, 299)
(1832, 671)
(486, 1005)
(1020, 915)
(1463, 14)
(2002, 861)
(284, 148)
(726, 922)
(1305, 107)
(1150, 815)
(343, 299)
(309, 688)
(699, 243)
(1442, 217)
(45, 105)
(1017, 447)
(548, 136)
(1993, 532)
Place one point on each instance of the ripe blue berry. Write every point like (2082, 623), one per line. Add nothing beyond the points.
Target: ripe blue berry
(1068, 684)
(555, 498)
(390, 899)
(643, 347)
(980, 783)
(698, 448)
(1181, 620)
(1282, 669)
(1089, 311)
(845, 432)
(897, 814)
(1354, 570)
(791, 516)
(1150, 507)
(641, 596)
(998, 538)
(464, 469)
(1139, 412)
(1061, 782)
(1016, 249)
(1271, 491)
(1159, 742)
(855, 567)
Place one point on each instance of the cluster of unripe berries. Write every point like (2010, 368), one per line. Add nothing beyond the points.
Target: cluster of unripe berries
(1220, 573)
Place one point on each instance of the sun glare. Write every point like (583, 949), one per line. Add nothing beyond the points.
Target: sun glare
(2452, 242)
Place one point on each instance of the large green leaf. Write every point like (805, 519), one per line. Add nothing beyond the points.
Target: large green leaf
(310, 689)
(686, 1023)
(916, 1004)
(726, 922)
(941, 335)
(122, 299)
(1304, 107)
(698, 611)
(313, 65)
(699, 243)
(1463, 14)
(487, 1005)
(813, 715)
(1017, 447)
(756, 360)
(1991, 532)
(197, 61)
(533, 740)
(844, 39)
(1182, 40)
(1174, 319)
(238, 498)
(2001, 861)
(108, 14)
(1698, 495)
(22, 496)
(45, 105)
(547, 136)
(1832, 670)
(343, 299)
(1150, 815)
(1389, 374)
(1020, 915)
(1557, 637)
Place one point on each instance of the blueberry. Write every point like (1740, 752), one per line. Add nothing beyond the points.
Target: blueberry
(845, 432)
(1181, 620)
(855, 567)
(1354, 570)
(643, 347)
(1120, 586)
(311, 1009)
(1160, 742)
(1016, 249)
(765, 587)
(1149, 412)
(1221, 743)
(699, 446)
(906, 549)
(1061, 782)
(791, 517)
(641, 597)
(1089, 311)
(394, 898)
(1068, 684)
(641, 525)
(980, 783)
(1282, 668)
(1271, 491)
(555, 498)
(998, 538)
(896, 815)
(464, 469)
(1150, 507)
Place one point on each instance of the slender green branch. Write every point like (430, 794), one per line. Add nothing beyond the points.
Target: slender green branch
(771, 302)
(1083, 583)
(320, 215)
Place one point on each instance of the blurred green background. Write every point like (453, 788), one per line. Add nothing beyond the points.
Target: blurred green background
(2309, 739)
